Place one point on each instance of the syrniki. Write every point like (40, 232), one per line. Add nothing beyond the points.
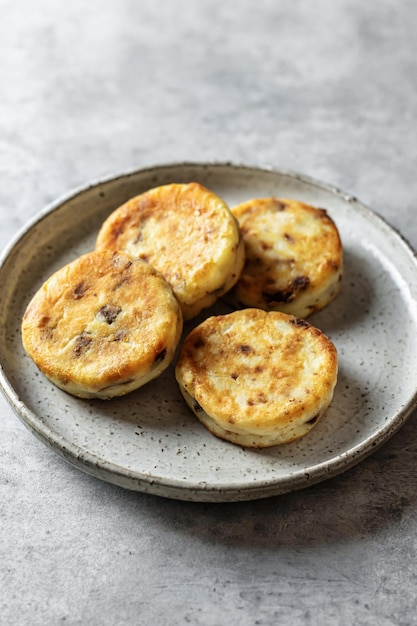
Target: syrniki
(257, 378)
(103, 325)
(187, 233)
(294, 257)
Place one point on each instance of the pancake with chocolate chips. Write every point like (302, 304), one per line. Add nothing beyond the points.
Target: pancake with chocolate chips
(257, 378)
(187, 233)
(103, 325)
(294, 257)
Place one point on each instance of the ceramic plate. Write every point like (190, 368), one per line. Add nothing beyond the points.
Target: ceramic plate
(149, 440)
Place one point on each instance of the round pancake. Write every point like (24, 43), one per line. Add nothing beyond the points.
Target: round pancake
(103, 325)
(294, 257)
(257, 378)
(187, 233)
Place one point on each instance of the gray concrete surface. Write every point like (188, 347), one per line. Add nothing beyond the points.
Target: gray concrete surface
(88, 89)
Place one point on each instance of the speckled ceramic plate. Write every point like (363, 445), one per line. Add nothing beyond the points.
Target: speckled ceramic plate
(150, 441)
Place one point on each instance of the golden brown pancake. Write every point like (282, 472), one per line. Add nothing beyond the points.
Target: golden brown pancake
(257, 378)
(103, 325)
(294, 257)
(187, 233)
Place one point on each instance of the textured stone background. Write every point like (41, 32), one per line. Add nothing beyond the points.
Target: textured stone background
(88, 89)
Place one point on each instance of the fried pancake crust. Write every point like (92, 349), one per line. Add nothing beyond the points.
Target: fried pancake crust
(257, 378)
(294, 257)
(103, 325)
(187, 233)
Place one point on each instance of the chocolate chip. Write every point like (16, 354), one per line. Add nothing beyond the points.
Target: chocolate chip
(300, 283)
(81, 344)
(109, 312)
(160, 356)
(299, 322)
(79, 290)
(121, 334)
(199, 342)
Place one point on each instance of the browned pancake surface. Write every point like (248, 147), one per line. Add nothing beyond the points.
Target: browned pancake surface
(103, 325)
(187, 233)
(294, 256)
(257, 378)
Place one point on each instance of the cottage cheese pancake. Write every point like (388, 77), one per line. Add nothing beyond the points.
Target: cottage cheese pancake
(103, 325)
(187, 233)
(294, 257)
(257, 378)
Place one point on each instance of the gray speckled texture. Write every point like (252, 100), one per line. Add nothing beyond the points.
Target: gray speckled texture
(92, 89)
